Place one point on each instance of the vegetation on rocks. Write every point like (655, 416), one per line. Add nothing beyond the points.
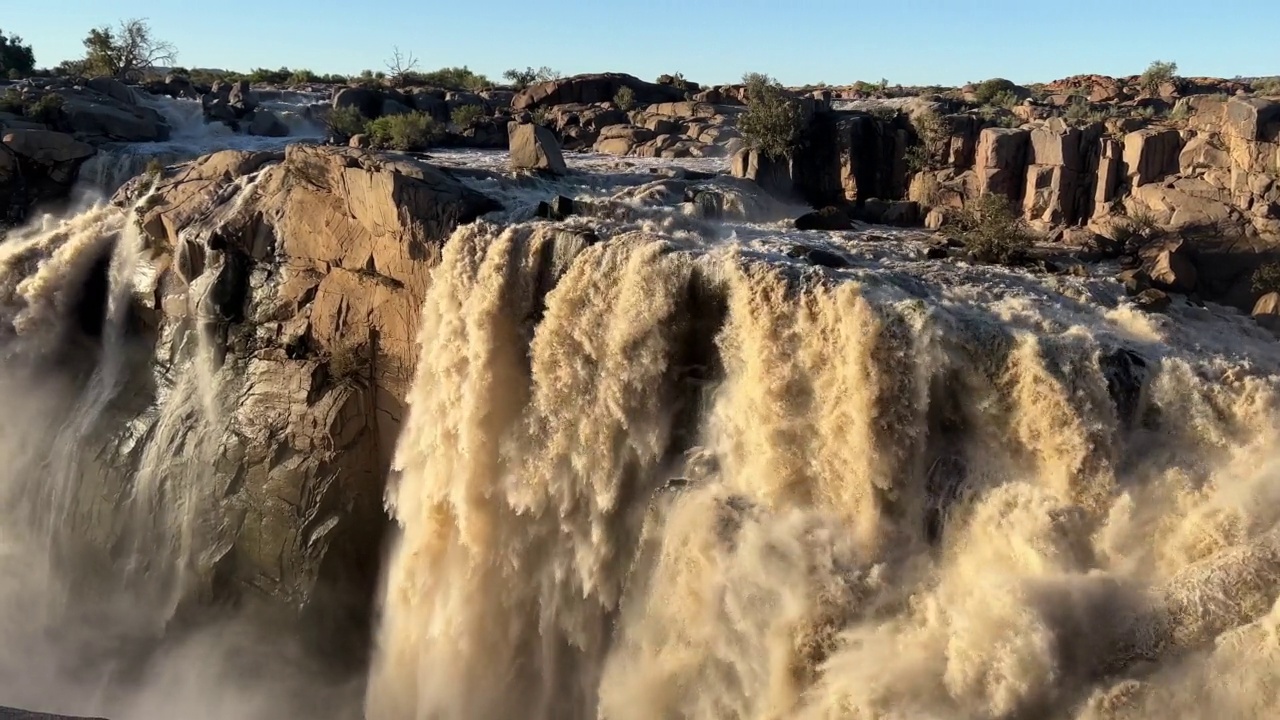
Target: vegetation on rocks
(625, 98)
(46, 108)
(1266, 279)
(991, 229)
(773, 122)
(1157, 73)
(451, 78)
(16, 58)
(465, 116)
(931, 133)
(408, 132)
(988, 91)
(521, 79)
(345, 122)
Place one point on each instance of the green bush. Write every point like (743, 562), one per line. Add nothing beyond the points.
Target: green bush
(625, 98)
(410, 131)
(1006, 99)
(465, 116)
(932, 133)
(11, 102)
(772, 123)
(47, 110)
(1267, 86)
(522, 79)
(1266, 279)
(1157, 73)
(345, 122)
(452, 78)
(991, 229)
(988, 90)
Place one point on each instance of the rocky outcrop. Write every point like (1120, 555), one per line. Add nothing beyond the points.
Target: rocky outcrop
(309, 268)
(534, 147)
(589, 89)
(36, 166)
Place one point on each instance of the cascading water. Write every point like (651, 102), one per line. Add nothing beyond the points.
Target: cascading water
(191, 137)
(110, 531)
(654, 466)
(659, 478)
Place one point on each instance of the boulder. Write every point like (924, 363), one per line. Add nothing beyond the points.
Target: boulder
(621, 139)
(367, 100)
(113, 89)
(267, 124)
(534, 147)
(775, 175)
(828, 218)
(1152, 300)
(1151, 155)
(1267, 311)
(321, 271)
(1170, 267)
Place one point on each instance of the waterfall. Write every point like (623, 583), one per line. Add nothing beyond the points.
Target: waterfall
(652, 478)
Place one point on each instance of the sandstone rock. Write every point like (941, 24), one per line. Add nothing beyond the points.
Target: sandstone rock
(1267, 311)
(1250, 118)
(828, 218)
(114, 89)
(775, 175)
(267, 124)
(340, 244)
(36, 166)
(1152, 300)
(1170, 267)
(1001, 161)
(47, 147)
(1151, 155)
(534, 147)
(1202, 153)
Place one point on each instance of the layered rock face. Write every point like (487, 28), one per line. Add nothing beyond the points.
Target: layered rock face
(301, 276)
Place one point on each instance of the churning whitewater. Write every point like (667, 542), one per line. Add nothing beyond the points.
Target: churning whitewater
(655, 467)
(660, 477)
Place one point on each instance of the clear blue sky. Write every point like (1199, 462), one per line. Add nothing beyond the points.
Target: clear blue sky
(710, 41)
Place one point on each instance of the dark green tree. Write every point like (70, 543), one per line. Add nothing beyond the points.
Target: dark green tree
(16, 58)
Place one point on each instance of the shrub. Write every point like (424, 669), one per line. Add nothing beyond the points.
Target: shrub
(154, 169)
(11, 102)
(932, 133)
(988, 90)
(1157, 73)
(1266, 279)
(47, 110)
(522, 79)
(1006, 99)
(625, 98)
(540, 116)
(991, 229)
(772, 123)
(465, 116)
(1079, 110)
(345, 122)
(452, 78)
(410, 131)
(1267, 86)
